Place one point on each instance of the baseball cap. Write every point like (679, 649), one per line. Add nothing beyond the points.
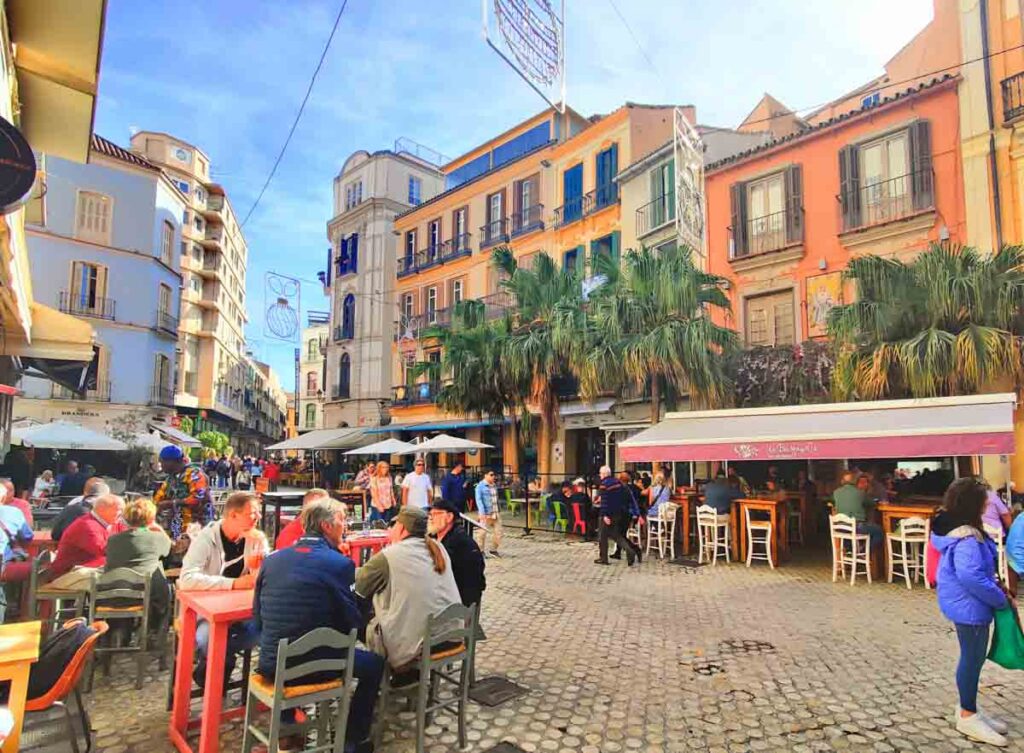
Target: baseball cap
(444, 504)
(413, 519)
(172, 452)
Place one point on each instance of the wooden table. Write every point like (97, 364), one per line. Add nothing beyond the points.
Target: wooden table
(777, 510)
(19, 648)
(365, 545)
(277, 500)
(352, 497)
(219, 609)
(686, 502)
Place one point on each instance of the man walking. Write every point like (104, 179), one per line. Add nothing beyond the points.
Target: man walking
(615, 505)
(487, 514)
(416, 487)
(453, 487)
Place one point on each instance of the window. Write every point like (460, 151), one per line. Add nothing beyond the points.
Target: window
(164, 299)
(312, 349)
(572, 194)
(348, 317)
(311, 416)
(494, 202)
(201, 165)
(472, 169)
(884, 168)
(431, 305)
(93, 217)
(460, 220)
(607, 246)
(344, 376)
(526, 215)
(769, 319)
(663, 197)
(434, 237)
(410, 248)
(183, 186)
(458, 291)
(311, 383)
(88, 289)
(200, 194)
(197, 253)
(767, 224)
(519, 145)
(408, 306)
(415, 190)
(195, 284)
(166, 242)
(494, 230)
(161, 377)
(353, 194)
(570, 259)
(348, 254)
(607, 190)
(197, 222)
(767, 214)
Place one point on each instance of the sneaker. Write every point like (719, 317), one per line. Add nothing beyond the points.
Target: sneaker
(600, 561)
(975, 728)
(997, 725)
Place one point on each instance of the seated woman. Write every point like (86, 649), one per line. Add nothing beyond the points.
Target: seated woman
(44, 487)
(658, 494)
(141, 548)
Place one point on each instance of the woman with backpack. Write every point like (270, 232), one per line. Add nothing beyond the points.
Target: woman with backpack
(968, 596)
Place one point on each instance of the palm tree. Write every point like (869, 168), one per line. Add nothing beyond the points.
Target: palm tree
(653, 323)
(949, 322)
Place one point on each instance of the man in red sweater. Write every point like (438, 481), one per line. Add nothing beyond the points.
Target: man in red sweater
(293, 531)
(82, 551)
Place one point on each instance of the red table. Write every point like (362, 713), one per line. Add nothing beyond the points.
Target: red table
(40, 540)
(220, 609)
(361, 543)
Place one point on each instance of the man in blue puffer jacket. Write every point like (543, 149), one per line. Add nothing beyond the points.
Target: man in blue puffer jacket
(968, 596)
(615, 508)
(311, 585)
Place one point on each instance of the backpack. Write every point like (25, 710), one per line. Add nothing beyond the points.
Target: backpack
(55, 654)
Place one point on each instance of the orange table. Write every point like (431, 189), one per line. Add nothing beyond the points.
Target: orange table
(777, 510)
(365, 545)
(686, 502)
(220, 609)
(19, 648)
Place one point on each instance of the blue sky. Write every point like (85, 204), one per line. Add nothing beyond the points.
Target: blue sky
(229, 75)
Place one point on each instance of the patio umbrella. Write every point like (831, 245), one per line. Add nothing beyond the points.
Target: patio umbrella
(151, 441)
(384, 447)
(445, 443)
(64, 435)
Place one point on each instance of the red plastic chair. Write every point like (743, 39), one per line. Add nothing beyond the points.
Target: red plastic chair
(578, 521)
(68, 684)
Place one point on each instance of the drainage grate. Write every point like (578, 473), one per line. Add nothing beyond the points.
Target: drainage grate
(494, 691)
(505, 747)
(733, 646)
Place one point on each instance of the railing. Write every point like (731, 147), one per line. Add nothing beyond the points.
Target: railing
(161, 394)
(212, 262)
(191, 382)
(407, 264)
(770, 232)
(494, 233)
(456, 248)
(600, 197)
(100, 394)
(215, 234)
(527, 220)
(425, 258)
(496, 305)
(887, 200)
(81, 305)
(656, 213)
(343, 333)
(215, 202)
(415, 394)
(341, 392)
(570, 211)
(1013, 97)
(166, 321)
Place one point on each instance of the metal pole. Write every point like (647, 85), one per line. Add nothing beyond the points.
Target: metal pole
(526, 505)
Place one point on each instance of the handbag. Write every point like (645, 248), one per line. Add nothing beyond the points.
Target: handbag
(1007, 648)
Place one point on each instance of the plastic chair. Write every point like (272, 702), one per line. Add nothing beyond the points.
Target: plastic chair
(281, 697)
(39, 592)
(709, 523)
(578, 519)
(912, 541)
(997, 535)
(511, 504)
(759, 532)
(68, 684)
(444, 645)
(843, 532)
(106, 602)
(661, 529)
(560, 522)
(541, 513)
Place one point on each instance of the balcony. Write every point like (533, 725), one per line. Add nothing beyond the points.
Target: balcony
(161, 394)
(569, 212)
(456, 248)
(887, 200)
(214, 235)
(494, 233)
(341, 392)
(1013, 97)
(771, 232)
(343, 333)
(423, 393)
(167, 322)
(100, 394)
(528, 220)
(600, 197)
(656, 214)
(84, 305)
(213, 263)
(496, 305)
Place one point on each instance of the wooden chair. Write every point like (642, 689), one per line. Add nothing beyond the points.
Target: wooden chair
(68, 685)
(843, 533)
(279, 696)
(107, 602)
(713, 534)
(907, 547)
(39, 592)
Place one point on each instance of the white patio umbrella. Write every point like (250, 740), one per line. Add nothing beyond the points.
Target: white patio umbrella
(385, 447)
(445, 443)
(64, 435)
(151, 441)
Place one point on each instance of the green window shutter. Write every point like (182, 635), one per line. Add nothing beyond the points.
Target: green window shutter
(615, 245)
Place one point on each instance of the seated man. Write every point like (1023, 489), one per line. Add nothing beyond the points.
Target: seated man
(588, 511)
(564, 495)
(293, 531)
(94, 487)
(310, 585)
(408, 582)
(466, 558)
(14, 530)
(720, 494)
(219, 559)
(82, 551)
(850, 499)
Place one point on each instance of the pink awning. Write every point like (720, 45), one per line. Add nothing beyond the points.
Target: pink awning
(933, 427)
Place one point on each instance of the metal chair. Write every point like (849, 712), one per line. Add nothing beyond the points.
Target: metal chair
(843, 532)
(280, 697)
(40, 592)
(709, 523)
(123, 594)
(907, 548)
(450, 638)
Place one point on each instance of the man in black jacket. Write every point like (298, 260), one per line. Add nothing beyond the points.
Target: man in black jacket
(467, 560)
(616, 502)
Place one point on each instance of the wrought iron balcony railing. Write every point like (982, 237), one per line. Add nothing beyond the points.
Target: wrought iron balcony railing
(84, 305)
(415, 394)
(343, 333)
(771, 232)
(101, 393)
(528, 220)
(161, 394)
(887, 200)
(341, 392)
(166, 321)
(569, 212)
(494, 233)
(456, 248)
(1013, 97)
(600, 197)
(656, 213)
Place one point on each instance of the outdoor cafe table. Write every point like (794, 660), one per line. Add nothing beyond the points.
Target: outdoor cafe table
(19, 648)
(365, 544)
(278, 500)
(687, 501)
(777, 514)
(219, 609)
(40, 540)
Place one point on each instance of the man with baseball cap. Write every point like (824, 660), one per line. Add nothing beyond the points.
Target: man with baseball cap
(186, 491)
(466, 558)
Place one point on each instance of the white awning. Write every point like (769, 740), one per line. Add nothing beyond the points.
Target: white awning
(931, 427)
(322, 439)
(64, 435)
(177, 436)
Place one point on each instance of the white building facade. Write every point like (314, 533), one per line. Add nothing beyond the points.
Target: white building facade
(312, 366)
(103, 246)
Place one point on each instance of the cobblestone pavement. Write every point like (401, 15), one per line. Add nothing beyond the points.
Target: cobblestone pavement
(663, 657)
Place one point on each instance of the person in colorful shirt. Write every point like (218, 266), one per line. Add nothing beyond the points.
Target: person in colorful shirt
(186, 492)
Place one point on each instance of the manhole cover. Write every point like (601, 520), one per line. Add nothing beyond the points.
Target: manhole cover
(734, 646)
(708, 668)
(494, 691)
(505, 747)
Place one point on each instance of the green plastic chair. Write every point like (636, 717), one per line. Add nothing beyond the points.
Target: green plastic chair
(513, 507)
(560, 520)
(540, 512)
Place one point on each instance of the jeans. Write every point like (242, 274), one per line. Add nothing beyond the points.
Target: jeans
(3, 603)
(241, 636)
(973, 649)
(386, 516)
(874, 531)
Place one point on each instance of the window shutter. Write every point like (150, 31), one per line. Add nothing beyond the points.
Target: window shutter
(794, 204)
(849, 186)
(353, 252)
(330, 265)
(615, 245)
(921, 164)
(738, 207)
(342, 251)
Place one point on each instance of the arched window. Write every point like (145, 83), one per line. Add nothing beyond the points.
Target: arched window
(311, 350)
(311, 416)
(348, 317)
(310, 382)
(344, 376)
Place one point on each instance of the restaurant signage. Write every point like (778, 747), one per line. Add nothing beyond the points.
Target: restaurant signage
(17, 167)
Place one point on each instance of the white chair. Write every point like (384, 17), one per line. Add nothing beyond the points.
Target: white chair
(661, 530)
(759, 533)
(709, 524)
(796, 523)
(907, 547)
(996, 534)
(843, 532)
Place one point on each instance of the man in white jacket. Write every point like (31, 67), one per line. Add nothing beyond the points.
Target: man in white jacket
(223, 556)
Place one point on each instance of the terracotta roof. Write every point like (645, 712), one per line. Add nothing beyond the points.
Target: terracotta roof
(110, 149)
(903, 94)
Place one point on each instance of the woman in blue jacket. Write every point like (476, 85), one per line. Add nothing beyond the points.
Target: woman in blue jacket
(968, 596)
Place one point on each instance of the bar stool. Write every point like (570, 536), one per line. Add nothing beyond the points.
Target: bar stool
(759, 533)
(709, 523)
(996, 534)
(661, 530)
(843, 532)
(796, 524)
(907, 549)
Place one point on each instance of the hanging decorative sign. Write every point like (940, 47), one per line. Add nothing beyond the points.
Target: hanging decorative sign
(688, 153)
(529, 35)
(17, 167)
(281, 300)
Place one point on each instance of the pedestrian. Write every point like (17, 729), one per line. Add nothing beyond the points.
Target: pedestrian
(453, 487)
(223, 471)
(635, 514)
(382, 493)
(487, 514)
(186, 492)
(416, 487)
(615, 508)
(968, 595)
